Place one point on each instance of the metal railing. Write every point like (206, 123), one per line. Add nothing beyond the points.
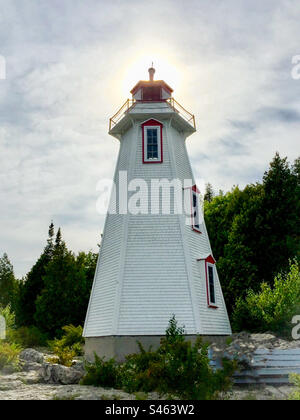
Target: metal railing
(121, 113)
(190, 118)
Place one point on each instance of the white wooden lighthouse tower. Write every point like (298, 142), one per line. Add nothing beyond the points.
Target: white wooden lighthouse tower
(151, 264)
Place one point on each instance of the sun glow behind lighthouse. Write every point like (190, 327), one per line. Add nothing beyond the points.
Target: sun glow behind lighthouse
(137, 69)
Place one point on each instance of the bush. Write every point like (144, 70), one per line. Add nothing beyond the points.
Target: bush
(102, 373)
(295, 379)
(9, 355)
(23, 336)
(69, 346)
(63, 356)
(28, 337)
(9, 316)
(272, 308)
(177, 368)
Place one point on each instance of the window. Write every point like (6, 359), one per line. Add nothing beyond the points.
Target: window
(196, 219)
(208, 272)
(152, 142)
(211, 285)
(152, 93)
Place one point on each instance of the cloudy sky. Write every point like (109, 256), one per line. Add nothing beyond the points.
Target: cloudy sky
(71, 63)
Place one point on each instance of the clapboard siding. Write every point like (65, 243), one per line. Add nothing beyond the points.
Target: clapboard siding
(148, 269)
(155, 284)
(101, 312)
(213, 321)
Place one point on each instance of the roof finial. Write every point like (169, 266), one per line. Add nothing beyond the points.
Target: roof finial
(151, 73)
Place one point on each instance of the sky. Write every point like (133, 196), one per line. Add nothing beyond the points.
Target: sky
(67, 66)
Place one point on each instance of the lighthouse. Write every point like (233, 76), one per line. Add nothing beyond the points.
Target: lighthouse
(155, 259)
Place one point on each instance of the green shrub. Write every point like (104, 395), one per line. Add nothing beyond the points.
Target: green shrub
(177, 368)
(9, 316)
(23, 336)
(101, 373)
(63, 356)
(72, 338)
(69, 346)
(272, 308)
(295, 379)
(9, 355)
(28, 337)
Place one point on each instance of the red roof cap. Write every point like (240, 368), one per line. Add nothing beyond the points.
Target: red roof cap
(148, 83)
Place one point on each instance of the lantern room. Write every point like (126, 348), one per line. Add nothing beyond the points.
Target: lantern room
(151, 90)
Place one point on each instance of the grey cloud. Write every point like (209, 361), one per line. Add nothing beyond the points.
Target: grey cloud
(285, 115)
(65, 60)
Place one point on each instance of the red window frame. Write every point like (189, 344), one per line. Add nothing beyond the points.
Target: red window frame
(153, 123)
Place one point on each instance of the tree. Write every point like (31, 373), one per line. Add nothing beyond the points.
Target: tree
(31, 288)
(280, 218)
(66, 288)
(254, 232)
(272, 308)
(7, 282)
(209, 193)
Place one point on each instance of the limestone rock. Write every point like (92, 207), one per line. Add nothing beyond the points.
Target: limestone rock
(58, 374)
(31, 355)
(30, 366)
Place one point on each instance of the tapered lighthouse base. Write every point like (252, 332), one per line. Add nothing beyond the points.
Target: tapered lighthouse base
(118, 347)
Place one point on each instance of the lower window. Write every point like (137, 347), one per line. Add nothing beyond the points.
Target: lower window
(208, 270)
(211, 285)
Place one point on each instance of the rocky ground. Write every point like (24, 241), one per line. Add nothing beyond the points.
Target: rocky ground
(243, 345)
(40, 380)
(27, 386)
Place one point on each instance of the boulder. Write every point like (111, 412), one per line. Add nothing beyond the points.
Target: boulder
(31, 355)
(58, 374)
(30, 366)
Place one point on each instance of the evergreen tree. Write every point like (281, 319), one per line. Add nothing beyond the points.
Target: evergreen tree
(67, 285)
(209, 193)
(280, 205)
(58, 240)
(7, 282)
(33, 284)
(254, 232)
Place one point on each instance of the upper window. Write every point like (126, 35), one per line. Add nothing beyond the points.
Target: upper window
(152, 142)
(196, 219)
